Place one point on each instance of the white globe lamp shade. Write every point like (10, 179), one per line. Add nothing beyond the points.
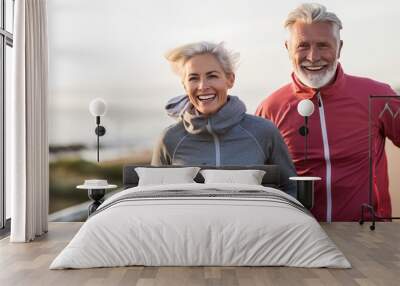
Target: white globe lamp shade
(305, 107)
(98, 107)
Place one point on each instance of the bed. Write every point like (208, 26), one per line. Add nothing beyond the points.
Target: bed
(201, 224)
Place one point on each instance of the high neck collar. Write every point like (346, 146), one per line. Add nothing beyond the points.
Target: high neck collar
(228, 116)
(305, 92)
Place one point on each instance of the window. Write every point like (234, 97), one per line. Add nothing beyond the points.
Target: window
(6, 43)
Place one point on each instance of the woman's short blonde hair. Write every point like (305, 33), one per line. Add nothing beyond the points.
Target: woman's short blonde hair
(179, 56)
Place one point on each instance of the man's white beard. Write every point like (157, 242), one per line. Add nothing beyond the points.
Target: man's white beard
(316, 80)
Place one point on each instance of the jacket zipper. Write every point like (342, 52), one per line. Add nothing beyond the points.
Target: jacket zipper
(216, 143)
(327, 159)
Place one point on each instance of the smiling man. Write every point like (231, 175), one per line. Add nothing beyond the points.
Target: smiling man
(338, 129)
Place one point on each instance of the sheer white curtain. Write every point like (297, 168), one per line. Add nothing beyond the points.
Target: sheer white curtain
(26, 123)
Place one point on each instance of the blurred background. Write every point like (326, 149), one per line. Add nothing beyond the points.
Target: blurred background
(114, 50)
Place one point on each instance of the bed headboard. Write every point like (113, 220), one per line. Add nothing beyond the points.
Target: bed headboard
(271, 178)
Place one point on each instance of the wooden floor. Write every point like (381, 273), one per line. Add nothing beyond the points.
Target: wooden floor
(374, 255)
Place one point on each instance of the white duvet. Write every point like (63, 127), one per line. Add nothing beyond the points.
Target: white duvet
(182, 231)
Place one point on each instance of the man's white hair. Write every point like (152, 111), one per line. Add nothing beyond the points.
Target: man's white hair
(311, 13)
(180, 55)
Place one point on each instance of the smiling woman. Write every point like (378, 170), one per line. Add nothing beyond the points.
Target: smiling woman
(206, 83)
(207, 72)
(214, 128)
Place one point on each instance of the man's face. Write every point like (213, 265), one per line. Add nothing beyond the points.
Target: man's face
(314, 50)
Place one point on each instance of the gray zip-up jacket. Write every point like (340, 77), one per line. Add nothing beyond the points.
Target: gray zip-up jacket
(228, 137)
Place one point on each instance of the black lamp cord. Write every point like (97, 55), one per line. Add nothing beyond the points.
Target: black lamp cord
(306, 137)
(98, 137)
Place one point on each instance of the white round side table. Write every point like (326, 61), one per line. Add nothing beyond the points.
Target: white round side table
(96, 190)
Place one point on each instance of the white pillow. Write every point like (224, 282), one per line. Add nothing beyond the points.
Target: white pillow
(163, 176)
(248, 177)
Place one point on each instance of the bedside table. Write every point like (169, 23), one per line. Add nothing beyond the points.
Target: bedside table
(305, 190)
(96, 190)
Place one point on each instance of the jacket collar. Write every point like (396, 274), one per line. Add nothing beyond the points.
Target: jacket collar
(227, 117)
(304, 92)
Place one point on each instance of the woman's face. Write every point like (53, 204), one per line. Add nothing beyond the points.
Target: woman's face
(206, 83)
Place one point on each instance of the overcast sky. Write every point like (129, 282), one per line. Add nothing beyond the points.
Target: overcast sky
(114, 49)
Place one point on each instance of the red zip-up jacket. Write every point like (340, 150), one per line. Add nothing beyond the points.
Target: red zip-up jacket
(338, 141)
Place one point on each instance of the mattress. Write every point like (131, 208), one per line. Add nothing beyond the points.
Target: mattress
(201, 225)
